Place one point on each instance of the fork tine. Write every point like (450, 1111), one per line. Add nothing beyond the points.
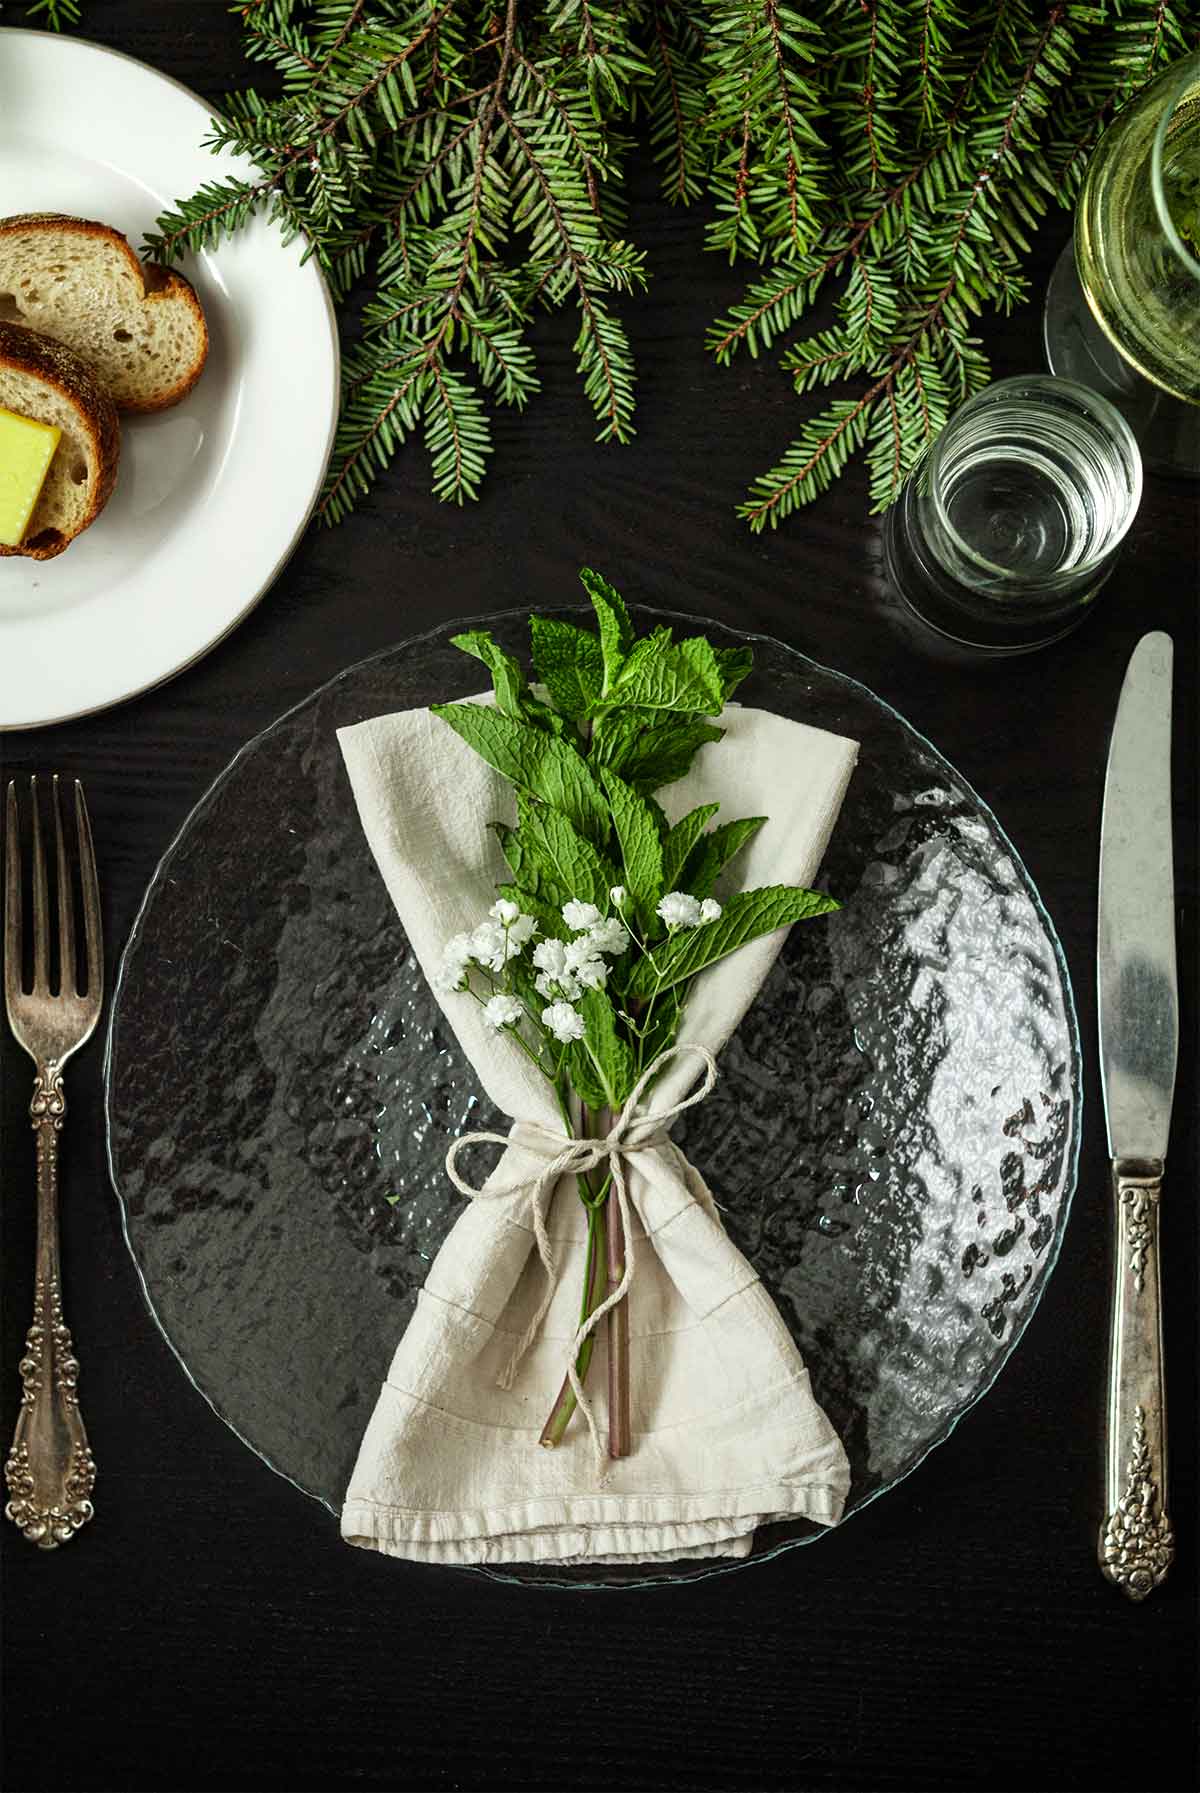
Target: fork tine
(93, 939)
(41, 903)
(12, 897)
(66, 905)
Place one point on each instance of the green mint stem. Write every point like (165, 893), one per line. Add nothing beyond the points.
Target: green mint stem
(594, 1290)
(620, 1441)
(595, 1287)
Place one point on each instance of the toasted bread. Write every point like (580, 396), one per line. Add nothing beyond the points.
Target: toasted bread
(140, 327)
(44, 379)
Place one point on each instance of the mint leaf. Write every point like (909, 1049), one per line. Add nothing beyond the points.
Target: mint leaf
(658, 813)
(546, 718)
(513, 696)
(562, 863)
(733, 665)
(507, 677)
(745, 917)
(584, 1078)
(641, 848)
(681, 840)
(541, 764)
(659, 674)
(649, 754)
(610, 1058)
(616, 630)
(713, 853)
(510, 845)
(569, 661)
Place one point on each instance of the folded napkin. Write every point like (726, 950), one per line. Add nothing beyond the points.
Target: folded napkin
(726, 1432)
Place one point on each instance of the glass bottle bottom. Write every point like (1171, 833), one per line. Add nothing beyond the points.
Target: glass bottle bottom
(964, 616)
(1167, 429)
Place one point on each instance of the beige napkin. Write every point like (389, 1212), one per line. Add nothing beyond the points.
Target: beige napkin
(726, 1432)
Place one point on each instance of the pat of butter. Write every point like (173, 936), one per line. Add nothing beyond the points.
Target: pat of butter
(26, 451)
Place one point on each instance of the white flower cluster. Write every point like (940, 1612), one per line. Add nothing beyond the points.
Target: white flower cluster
(492, 944)
(679, 910)
(567, 969)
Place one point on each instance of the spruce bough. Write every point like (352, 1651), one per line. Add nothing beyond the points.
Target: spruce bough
(456, 168)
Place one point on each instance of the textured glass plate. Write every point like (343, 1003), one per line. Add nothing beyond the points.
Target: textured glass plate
(892, 1141)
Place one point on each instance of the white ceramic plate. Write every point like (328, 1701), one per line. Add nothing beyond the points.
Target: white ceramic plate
(213, 495)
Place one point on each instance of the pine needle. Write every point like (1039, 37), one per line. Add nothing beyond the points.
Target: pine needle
(458, 168)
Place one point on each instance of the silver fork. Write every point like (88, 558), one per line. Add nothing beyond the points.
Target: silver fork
(50, 1471)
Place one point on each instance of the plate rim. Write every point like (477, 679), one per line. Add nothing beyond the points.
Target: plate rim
(234, 622)
(1076, 1076)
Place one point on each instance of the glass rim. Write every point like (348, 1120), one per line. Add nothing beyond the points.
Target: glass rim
(1187, 70)
(1088, 400)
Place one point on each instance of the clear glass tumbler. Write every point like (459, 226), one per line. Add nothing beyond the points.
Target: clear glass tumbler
(1123, 305)
(1008, 528)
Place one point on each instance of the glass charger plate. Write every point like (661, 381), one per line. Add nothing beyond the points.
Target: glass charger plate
(892, 1141)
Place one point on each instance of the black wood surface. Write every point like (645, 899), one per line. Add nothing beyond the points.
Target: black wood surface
(209, 1630)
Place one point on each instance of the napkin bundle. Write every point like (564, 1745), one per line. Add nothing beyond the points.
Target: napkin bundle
(726, 1432)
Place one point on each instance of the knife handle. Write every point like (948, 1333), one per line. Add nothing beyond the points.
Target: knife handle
(1136, 1543)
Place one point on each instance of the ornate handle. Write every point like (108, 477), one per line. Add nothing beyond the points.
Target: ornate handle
(1136, 1543)
(50, 1471)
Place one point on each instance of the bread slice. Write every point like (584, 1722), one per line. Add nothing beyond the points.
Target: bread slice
(43, 379)
(140, 326)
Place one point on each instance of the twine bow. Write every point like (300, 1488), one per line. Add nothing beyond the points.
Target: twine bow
(632, 1132)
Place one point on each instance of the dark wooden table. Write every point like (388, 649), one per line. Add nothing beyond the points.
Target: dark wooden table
(209, 1629)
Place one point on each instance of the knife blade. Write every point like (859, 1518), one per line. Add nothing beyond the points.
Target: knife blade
(1138, 1003)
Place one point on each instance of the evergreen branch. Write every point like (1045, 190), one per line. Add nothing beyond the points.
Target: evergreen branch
(598, 344)
(792, 159)
(59, 13)
(361, 443)
(455, 167)
(571, 129)
(348, 27)
(679, 138)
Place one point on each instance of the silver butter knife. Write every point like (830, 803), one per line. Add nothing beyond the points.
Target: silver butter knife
(1139, 1034)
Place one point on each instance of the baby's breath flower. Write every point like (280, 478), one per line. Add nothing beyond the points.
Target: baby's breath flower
(550, 956)
(579, 916)
(679, 910)
(609, 936)
(521, 930)
(488, 946)
(456, 956)
(710, 909)
(564, 1022)
(556, 975)
(504, 910)
(617, 895)
(497, 941)
(584, 965)
(502, 1011)
(551, 987)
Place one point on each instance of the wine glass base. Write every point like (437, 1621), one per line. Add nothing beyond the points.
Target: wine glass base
(1167, 429)
(969, 618)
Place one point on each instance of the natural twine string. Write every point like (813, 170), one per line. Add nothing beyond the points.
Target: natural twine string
(630, 1134)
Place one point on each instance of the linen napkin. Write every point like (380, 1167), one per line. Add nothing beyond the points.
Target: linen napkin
(727, 1434)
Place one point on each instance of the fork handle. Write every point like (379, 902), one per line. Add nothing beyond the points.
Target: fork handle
(50, 1471)
(1136, 1542)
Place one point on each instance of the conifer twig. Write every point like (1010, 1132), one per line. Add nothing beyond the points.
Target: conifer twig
(455, 169)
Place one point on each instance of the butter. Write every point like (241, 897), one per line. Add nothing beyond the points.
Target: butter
(26, 451)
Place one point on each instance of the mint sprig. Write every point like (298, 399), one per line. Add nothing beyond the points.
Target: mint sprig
(608, 914)
(611, 718)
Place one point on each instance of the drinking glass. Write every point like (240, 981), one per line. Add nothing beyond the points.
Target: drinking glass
(1007, 529)
(1123, 306)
